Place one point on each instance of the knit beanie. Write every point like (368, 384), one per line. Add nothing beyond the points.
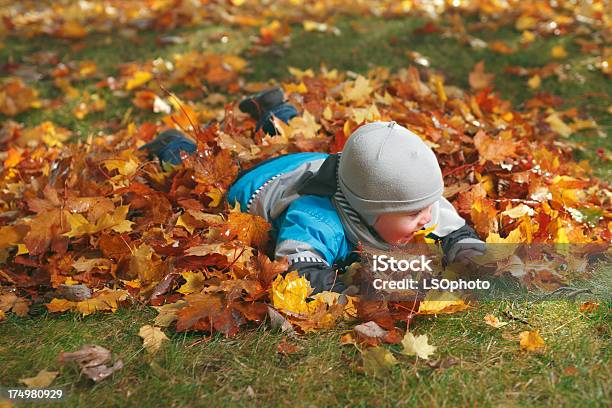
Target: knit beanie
(385, 168)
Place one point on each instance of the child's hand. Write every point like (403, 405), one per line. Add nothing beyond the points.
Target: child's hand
(465, 256)
(321, 277)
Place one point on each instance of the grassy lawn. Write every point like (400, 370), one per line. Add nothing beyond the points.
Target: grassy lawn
(247, 370)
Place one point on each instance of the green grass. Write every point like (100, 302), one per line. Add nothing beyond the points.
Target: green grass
(491, 370)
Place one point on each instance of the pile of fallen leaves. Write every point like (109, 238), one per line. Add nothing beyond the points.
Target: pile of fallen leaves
(94, 224)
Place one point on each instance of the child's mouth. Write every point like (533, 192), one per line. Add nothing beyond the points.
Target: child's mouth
(405, 241)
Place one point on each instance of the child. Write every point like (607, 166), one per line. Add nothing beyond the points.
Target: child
(384, 186)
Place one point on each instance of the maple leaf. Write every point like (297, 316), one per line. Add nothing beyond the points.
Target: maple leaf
(372, 334)
(125, 167)
(494, 150)
(478, 79)
(588, 307)
(168, 313)
(138, 79)
(143, 266)
(235, 253)
(289, 293)
(152, 338)
(47, 132)
(267, 269)
(79, 225)
(417, 346)
(103, 300)
(531, 340)
(557, 124)
(494, 321)
(377, 361)
(11, 235)
(43, 379)
(441, 302)
(558, 52)
(286, 348)
(45, 229)
(206, 312)
(16, 97)
(11, 302)
(251, 229)
(359, 90)
(194, 282)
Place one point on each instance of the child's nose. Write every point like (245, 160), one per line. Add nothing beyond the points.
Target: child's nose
(425, 219)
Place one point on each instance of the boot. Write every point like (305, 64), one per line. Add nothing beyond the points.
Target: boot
(259, 104)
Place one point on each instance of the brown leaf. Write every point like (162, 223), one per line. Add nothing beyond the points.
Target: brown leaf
(286, 348)
(44, 228)
(478, 79)
(43, 379)
(268, 270)
(494, 150)
(92, 361)
(16, 97)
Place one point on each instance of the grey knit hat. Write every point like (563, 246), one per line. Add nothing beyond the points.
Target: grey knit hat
(384, 168)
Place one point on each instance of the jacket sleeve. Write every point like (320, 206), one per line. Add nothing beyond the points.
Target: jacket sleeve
(311, 231)
(312, 238)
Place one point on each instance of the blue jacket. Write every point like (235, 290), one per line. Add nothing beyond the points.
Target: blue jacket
(309, 223)
(305, 226)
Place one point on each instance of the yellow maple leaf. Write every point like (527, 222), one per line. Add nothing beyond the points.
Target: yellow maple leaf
(333, 298)
(557, 124)
(168, 313)
(299, 74)
(295, 88)
(139, 78)
(441, 302)
(531, 341)
(79, 225)
(216, 195)
(558, 52)
(43, 379)
(104, 300)
(360, 115)
(289, 294)
(417, 346)
(304, 125)
(534, 82)
(195, 282)
(125, 167)
(152, 337)
(359, 90)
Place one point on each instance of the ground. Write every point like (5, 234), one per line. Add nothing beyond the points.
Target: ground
(196, 369)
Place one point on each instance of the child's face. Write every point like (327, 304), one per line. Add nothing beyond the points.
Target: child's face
(399, 228)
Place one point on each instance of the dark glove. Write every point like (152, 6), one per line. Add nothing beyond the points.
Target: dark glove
(167, 146)
(320, 276)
